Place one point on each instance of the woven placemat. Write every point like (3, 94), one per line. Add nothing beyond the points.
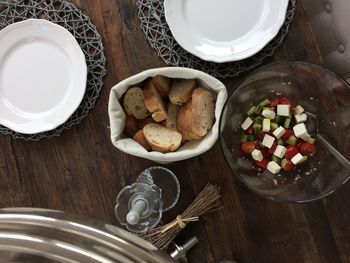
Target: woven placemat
(79, 25)
(154, 26)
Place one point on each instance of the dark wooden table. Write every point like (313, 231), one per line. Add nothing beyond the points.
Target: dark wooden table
(81, 172)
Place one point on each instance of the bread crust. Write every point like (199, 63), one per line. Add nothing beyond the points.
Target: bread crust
(173, 113)
(181, 91)
(162, 84)
(155, 141)
(131, 126)
(184, 123)
(203, 111)
(140, 138)
(134, 103)
(154, 102)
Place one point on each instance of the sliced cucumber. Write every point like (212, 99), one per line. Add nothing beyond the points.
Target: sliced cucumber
(292, 140)
(256, 128)
(275, 159)
(311, 140)
(264, 103)
(283, 162)
(268, 108)
(274, 126)
(259, 119)
(258, 109)
(279, 119)
(287, 122)
(251, 111)
(280, 141)
(247, 138)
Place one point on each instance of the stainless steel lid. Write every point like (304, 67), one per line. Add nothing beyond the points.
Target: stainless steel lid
(37, 235)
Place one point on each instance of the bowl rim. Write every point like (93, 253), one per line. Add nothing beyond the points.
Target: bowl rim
(230, 95)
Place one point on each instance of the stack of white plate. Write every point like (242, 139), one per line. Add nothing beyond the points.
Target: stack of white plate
(43, 76)
(224, 30)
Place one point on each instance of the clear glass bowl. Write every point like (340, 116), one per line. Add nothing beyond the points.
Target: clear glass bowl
(326, 98)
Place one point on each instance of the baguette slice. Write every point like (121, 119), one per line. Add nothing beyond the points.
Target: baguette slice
(184, 123)
(162, 84)
(173, 113)
(144, 122)
(203, 111)
(181, 91)
(134, 104)
(140, 138)
(154, 102)
(161, 138)
(131, 126)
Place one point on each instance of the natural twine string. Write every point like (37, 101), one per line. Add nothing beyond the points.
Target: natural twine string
(207, 201)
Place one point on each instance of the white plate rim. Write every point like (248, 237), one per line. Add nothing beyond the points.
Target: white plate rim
(176, 31)
(63, 118)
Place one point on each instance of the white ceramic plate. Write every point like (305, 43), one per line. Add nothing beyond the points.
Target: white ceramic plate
(224, 30)
(43, 76)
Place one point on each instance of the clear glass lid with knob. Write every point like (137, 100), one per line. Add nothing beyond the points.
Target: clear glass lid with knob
(140, 205)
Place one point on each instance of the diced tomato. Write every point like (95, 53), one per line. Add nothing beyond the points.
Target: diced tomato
(287, 165)
(274, 103)
(262, 164)
(299, 143)
(250, 130)
(273, 148)
(260, 135)
(287, 134)
(291, 152)
(257, 144)
(248, 147)
(307, 148)
(265, 153)
(285, 101)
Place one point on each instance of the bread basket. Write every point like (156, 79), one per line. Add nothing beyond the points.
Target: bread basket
(189, 149)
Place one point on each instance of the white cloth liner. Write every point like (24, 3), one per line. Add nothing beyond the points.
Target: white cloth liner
(189, 149)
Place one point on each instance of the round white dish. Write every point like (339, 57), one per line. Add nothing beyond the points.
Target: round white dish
(43, 76)
(189, 149)
(224, 30)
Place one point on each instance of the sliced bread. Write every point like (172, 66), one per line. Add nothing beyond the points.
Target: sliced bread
(131, 126)
(154, 102)
(203, 111)
(181, 91)
(144, 122)
(140, 138)
(184, 123)
(162, 139)
(173, 112)
(162, 84)
(134, 104)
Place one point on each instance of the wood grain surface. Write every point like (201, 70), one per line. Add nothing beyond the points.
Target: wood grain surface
(81, 172)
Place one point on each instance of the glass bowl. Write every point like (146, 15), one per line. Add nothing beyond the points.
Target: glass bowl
(326, 99)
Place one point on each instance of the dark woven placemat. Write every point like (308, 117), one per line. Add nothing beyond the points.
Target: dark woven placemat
(79, 25)
(157, 32)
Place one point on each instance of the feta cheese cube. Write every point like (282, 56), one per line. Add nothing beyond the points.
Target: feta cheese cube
(298, 158)
(300, 118)
(283, 110)
(269, 114)
(273, 167)
(298, 110)
(279, 132)
(246, 124)
(300, 130)
(280, 151)
(266, 125)
(268, 141)
(257, 155)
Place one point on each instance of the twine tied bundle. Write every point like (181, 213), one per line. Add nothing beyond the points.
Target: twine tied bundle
(207, 201)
